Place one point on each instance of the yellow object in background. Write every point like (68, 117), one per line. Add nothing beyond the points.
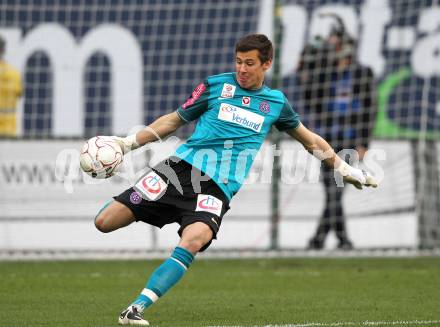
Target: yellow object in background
(10, 92)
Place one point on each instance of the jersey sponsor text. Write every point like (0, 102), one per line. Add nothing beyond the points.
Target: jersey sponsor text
(240, 117)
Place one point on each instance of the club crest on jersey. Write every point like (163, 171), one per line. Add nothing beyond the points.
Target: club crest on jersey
(152, 186)
(228, 90)
(241, 117)
(209, 203)
(246, 101)
(264, 107)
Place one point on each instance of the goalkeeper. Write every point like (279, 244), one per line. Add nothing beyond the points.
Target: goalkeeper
(235, 112)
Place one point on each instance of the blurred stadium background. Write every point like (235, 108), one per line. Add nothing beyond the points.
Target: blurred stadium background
(101, 67)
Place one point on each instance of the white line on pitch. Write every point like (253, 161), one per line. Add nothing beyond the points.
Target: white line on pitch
(349, 323)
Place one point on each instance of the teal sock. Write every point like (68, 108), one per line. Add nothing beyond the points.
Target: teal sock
(164, 277)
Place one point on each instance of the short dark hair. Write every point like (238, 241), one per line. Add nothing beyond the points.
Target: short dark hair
(258, 42)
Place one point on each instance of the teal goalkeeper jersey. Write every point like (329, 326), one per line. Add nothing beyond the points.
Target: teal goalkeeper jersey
(232, 125)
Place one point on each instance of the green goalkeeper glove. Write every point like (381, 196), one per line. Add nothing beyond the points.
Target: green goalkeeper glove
(355, 176)
(126, 143)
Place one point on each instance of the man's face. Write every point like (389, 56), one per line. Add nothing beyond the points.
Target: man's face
(335, 41)
(250, 70)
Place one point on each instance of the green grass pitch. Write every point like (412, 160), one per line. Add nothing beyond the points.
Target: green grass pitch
(247, 292)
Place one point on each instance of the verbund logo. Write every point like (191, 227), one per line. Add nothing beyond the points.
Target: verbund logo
(241, 117)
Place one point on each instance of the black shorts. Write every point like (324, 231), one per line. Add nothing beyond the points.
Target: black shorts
(166, 195)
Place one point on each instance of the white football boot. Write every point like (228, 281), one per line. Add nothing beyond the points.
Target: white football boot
(132, 317)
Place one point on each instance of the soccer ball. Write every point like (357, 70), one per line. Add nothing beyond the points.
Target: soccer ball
(100, 157)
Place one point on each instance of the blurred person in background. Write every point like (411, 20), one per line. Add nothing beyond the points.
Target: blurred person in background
(10, 92)
(337, 95)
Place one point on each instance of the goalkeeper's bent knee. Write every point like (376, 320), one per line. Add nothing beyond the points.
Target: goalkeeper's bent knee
(97, 224)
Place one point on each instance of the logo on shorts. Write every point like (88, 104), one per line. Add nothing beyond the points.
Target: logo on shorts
(228, 90)
(264, 107)
(209, 203)
(151, 186)
(135, 198)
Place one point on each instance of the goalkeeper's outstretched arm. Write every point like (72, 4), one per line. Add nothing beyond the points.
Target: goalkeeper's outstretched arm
(159, 129)
(320, 148)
